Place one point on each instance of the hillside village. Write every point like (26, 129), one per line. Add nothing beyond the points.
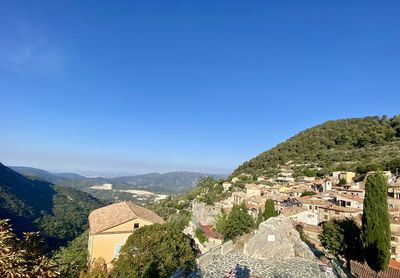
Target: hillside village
(307, 201)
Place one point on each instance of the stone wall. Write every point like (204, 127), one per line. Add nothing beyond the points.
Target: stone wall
(220, 250)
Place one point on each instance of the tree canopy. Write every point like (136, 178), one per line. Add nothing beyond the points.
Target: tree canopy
(155, 251)
(72, 259)
(236, 223)
(23, 257)
(342, 237)
(330, 146)
(269, 210)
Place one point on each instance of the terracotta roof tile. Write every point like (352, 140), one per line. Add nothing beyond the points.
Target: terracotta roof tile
(116, 214)
(363, 270)
(210, 232)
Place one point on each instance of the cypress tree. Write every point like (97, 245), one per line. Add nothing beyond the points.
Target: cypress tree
(376, 223)
(270, 209)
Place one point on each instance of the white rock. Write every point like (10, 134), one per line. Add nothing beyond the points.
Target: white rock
(277, 238)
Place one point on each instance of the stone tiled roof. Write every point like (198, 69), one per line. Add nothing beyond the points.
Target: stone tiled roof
(311, 228)
(341, 209)
(116, 214)
(312, 200)
(349, 197)
(290, 211)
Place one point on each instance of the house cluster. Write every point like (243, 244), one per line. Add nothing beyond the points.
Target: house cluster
(311, 201)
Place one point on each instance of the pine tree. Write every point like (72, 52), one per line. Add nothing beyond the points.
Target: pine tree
(376, 223)
(270, 209)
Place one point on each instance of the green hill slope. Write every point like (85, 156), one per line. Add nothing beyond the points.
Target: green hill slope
(35, 173)
(349, 144)
(59, 213)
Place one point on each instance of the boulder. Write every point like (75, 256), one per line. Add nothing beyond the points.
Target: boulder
(277, 238)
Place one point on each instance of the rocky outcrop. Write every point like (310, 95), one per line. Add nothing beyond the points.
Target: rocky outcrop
(205, 214)
(277, 238)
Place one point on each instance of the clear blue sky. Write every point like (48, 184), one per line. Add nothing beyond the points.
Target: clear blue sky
(140, 86)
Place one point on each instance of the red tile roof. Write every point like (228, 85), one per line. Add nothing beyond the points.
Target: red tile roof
(364, 271)
(209, 231)
(394, 263)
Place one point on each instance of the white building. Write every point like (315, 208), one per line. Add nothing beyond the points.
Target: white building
(301, 215)
(226, 186)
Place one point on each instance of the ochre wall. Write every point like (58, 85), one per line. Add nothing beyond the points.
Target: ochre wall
(103, 244)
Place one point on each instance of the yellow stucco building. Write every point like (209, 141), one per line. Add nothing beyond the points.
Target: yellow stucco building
(347, 176)
(110, 227)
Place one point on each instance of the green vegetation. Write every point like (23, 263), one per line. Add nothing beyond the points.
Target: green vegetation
(376, 223)
(236, 223)
(59, 213)
(177, 209)
(269, 210)
(307, 193)
(155, 251)
(201, 236)
(97, 270)
(332, 237)
(72, 259)
(342, 182)
(68, 217)
(211, 191)
(23, 257)
(300, 229)
(342, 237)
(335, 145)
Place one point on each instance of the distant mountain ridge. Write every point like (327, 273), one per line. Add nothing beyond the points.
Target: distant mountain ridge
(45, 175)
(58, 212)
(348, 144)
(171, 182)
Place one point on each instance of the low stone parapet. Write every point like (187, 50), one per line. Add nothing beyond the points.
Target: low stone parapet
(219, 250)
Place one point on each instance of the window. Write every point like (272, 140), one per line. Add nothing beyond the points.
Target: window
(348, 204)
(392, 238)
(136, 226)
(310, 207)
(325, 217)
(336, 212)
(117, 250)
(393, 250)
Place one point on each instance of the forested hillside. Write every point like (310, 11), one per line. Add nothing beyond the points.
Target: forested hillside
(349, 144)
(59, 213)
(55, 178)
